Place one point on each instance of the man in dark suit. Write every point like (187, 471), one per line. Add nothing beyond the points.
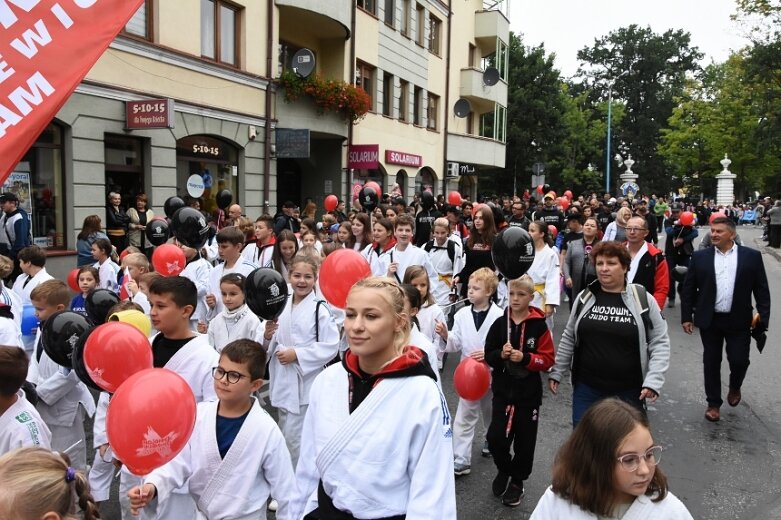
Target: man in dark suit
(717, 293)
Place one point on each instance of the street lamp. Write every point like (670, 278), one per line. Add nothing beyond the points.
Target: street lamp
(609, 117)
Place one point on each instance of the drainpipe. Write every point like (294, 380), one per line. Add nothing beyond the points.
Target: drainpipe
(269, 91)
(447, 97)
(351, 79)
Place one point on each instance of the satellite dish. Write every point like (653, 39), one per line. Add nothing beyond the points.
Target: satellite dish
(491, 76)
(462, 107)
(303, 63)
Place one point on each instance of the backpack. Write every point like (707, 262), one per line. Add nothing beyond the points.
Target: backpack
(640, 295)
(451, 248)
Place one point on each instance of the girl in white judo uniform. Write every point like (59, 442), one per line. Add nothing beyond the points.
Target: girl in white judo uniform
(107, 268)
(376, 440)
(235, 321)
(236, 456)
(376, 252)
(470, 328)
(417, 338)
(429, 313)
(608, 469)
(545, 273)
(305, 338)
(197, 270)
(20, 424)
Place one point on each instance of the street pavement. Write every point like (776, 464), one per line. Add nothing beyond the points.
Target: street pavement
(729, 470)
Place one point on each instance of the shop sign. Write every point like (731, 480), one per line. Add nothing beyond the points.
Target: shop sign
(403, 158)
(292, 143)
(149, 113)
(363, 156)
(195, 186)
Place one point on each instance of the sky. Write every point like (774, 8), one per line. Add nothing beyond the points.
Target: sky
(566, 26)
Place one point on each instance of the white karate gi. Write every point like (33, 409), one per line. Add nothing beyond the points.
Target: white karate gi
(21, 426)
(141, 299)
(101, 473)
(62, 401)
(545, 273)
(24, 285)
(377, 262)
(445, 268)
(418, 339)
(290, 384)
(260, 256)
(412, 255)
(107, 275)
(467, 339)
(242, 266)
(13, 300)
(232, 325)
(198, 272)
(391, 456)
(553, 507)
(10, 333)
(235, 487)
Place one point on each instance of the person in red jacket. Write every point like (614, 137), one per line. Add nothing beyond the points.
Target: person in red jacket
(517, 387)
(648, 267)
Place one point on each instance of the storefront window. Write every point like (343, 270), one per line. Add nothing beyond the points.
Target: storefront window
(212, 159)
(38, 182)
(424, 181)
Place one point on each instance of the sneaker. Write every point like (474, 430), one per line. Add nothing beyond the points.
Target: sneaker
(499, 485)
(485, 452)
(461, 469)
(512, 497)
(273, 505)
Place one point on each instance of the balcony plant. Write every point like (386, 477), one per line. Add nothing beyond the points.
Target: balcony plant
(349, 102)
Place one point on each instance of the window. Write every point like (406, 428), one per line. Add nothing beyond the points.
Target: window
(403, 100)
(364, 78)
(367, 5)
(501, 58)
(432, 112)
(406, 14)
(417, 112)
(390, 12)
(39, 183)
(420, 17)
(494, 124)
(434, 34)
(472, 55)
(140, 24)
(214, 160)
(219, 31)
(387, 94)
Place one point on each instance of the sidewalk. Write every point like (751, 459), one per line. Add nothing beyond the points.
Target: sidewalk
(762, 246)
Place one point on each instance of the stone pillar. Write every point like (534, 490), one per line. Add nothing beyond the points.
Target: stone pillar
(725, 187)
(629, 187)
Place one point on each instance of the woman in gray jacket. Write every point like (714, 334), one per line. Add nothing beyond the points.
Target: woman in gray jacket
(577, 266)
(615, 342)
(775, 225)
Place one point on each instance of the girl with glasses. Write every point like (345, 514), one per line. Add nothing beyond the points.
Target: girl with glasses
(607, 469)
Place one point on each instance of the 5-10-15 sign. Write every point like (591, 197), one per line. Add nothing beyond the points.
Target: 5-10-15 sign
(149, 113)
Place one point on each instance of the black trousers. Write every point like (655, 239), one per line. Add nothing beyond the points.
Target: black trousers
(775, 235)
(673, 261)
(523, 438)
(721, 331)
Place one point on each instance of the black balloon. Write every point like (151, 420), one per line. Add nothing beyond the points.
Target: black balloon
(224, 199)
(368, 198)
(172, 204)
(59, 335)
(98, 303)
(266, 293)
(157, 231)
(513, 252)
(190, 228)
(77, 361)
(679, 273)
(545, 188)
(427, 200)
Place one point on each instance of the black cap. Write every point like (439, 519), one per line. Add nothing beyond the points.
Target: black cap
(9, 197)
(450, 208)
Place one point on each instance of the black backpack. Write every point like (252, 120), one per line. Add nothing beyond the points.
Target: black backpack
(451, 249)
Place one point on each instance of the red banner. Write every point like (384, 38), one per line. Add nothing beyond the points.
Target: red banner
(46, 49)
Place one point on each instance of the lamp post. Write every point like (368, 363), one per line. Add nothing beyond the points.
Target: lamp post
(609, 117)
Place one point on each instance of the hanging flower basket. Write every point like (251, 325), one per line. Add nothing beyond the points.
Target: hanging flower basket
(349, 102)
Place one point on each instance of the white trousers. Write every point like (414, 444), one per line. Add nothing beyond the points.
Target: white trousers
(72, 441)
(292, 424)
(101, 474)
(467, 416)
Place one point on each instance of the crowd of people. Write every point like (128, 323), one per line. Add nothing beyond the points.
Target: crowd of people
(338, 378)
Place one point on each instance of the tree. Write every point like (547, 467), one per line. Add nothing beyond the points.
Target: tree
(657, 67)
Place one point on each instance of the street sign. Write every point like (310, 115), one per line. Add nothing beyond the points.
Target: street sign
(538, 168)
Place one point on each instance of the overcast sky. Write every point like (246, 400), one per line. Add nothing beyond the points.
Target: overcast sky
(566, 26)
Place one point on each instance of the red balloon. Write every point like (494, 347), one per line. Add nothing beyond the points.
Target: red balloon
(150, 419)
(123, 254)
(372, 184)
(168, 260)
(73, 280)
(568, 194)
(454, 198)
(553, 230)
(540, 189)
(330, 203)
(687, 218)
(714, 216)
(472, 379)
(339, 272)
(115, 351)
(564, 203)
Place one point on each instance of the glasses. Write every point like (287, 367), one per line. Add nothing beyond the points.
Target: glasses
(233, 377)
(631, 461)
(635, 229)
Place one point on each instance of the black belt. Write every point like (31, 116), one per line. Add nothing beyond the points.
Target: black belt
(327, 511)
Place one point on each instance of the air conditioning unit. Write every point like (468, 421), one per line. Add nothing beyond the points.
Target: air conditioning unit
(452, 170)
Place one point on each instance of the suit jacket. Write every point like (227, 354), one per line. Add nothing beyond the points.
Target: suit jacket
(699, 289)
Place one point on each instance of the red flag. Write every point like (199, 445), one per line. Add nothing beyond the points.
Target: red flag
(46, 49)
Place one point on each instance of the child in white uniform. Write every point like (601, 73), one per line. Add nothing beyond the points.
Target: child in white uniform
(545, 272)
(32, 262)
(236, 456)
(107, 269)
(236, 321)
(197, 271)
(470, 327)
(20, 424)
(229, 243)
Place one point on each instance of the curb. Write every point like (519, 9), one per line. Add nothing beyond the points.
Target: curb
(764, 248)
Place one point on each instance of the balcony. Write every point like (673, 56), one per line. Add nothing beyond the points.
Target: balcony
(302, 113)
(476, 150)
(319, 19)
(490, 25)
(481, 96)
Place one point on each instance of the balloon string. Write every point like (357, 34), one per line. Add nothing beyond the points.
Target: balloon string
(454, 303)
(69, 448)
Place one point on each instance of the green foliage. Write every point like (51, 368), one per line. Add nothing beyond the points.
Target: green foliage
(350, 102)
